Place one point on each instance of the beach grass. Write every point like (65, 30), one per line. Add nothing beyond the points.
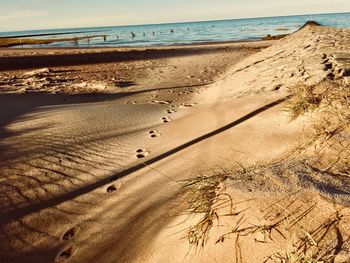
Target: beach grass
(325, 152)
(208, 196)
(329, 103)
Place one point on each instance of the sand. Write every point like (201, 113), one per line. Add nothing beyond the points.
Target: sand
(94, 143)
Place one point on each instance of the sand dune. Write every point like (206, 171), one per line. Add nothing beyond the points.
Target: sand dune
(92, 154)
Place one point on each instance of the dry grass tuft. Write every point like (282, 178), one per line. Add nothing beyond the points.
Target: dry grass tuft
(314, 247)
(207, 197)
(304, 99)
(328, 142)
(278, 220)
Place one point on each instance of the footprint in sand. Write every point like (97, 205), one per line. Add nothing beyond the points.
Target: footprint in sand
(170, 111)
(66, 254)
(142, 153)
(187, 105)
(114, 187)
(166, 119)
(111, 189)
(154, 134)
(161, 102)
(70, 234)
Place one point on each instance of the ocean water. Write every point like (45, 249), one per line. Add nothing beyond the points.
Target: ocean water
(186, 33)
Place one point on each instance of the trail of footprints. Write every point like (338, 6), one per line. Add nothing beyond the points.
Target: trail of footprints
(68, 252)
(142, 153)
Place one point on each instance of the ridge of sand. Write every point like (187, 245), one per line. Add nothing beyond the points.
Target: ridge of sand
(306, 57)
(87, 182)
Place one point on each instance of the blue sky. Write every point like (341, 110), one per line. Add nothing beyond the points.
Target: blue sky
(42, 14)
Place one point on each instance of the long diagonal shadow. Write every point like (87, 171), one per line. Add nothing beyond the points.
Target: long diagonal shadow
(18, 213)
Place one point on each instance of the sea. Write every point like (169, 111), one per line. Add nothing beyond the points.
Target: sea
(183, 33)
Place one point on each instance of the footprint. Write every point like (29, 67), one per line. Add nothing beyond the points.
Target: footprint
(66, 254)
(161, 101)
(328, 66)
(154, 134)
(166, 119)
(114, 187)
(111, 189)
(170, 111)
(70, 234)
(142, 153)
(187, 105)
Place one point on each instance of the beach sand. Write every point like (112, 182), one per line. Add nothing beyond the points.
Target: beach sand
(95, 143)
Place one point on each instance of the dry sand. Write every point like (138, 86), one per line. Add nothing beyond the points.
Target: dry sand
(93, 145)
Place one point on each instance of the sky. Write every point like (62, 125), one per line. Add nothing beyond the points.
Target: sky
(46, 14)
